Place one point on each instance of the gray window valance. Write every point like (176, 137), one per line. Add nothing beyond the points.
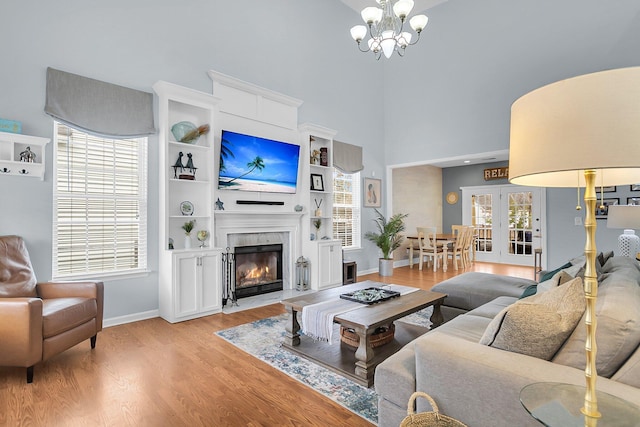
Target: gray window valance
(98, 107)
(346, 157)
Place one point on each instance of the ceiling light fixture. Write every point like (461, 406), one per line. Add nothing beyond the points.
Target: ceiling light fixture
(386, 25)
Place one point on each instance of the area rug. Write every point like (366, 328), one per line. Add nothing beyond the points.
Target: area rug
(263, 338)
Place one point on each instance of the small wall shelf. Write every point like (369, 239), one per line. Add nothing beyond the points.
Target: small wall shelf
(12, 145)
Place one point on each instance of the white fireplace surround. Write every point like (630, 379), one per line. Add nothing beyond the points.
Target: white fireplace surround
(255, 228)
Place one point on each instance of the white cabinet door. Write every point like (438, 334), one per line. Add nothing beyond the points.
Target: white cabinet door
(186, 283)
(197, 284)
(211, 286)
(329, 264)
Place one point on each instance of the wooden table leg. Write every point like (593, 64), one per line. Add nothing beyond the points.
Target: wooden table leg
(411, 255)
(436, 317)
(445, 261)
(364, 355)
(291, 336)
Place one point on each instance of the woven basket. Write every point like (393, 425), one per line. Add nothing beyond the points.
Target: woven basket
(349, 337)
(427, 419)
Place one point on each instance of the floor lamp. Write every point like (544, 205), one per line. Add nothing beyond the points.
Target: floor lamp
(583, 131)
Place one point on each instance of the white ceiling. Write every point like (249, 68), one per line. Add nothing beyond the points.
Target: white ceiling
(419, 5)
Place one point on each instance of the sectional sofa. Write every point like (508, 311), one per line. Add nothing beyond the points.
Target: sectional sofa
(475, 365)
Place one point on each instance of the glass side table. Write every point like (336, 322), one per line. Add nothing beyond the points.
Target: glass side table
(558, 405)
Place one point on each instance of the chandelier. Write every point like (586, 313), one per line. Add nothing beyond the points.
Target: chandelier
(386, 24)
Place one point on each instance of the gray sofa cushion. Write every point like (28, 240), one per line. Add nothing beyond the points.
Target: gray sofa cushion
(629, 373)
(491, 309)
(468, 327)
(618, 316)
(470, 290)
(395, 377)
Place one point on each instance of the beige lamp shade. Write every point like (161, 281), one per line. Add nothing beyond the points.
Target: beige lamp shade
(623, 216)
(589, 122)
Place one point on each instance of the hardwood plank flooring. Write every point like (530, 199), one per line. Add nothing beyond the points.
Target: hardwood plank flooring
(153, 373)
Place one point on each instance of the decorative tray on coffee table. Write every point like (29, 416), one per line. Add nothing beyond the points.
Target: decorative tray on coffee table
(370, 295)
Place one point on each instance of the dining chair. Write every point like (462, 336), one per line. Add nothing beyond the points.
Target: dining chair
(468, 244)
(429, 247)
(459, 246)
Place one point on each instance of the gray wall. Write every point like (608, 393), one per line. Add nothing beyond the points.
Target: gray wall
(282, 45)
(564, 239)
(450, 95)
(463, 176)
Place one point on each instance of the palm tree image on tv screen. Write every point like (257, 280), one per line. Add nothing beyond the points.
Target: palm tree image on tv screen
(251, 163)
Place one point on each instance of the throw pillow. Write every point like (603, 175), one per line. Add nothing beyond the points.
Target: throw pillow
(549, 274)
(538, 326)
(558, 279)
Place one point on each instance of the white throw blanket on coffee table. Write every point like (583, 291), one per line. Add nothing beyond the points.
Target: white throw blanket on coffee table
(317, 319)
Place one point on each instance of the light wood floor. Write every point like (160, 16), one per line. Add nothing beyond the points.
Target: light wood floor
(153, 373)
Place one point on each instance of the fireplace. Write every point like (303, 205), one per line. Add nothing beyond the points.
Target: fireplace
(258, 269)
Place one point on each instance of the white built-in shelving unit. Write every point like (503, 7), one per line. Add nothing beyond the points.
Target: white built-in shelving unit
(324, 252)
(11, 147)
(190, 277)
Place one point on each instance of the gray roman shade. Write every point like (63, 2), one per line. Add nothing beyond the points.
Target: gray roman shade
(98, 107)
(346, 157)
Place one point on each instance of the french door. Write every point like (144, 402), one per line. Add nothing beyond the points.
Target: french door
(509, 221)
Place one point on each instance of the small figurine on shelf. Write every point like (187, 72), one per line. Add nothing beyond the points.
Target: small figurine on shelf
(219, 204)
(28, 156)
(190, 165)
(178, 165)
(315, 157)
(191, 169)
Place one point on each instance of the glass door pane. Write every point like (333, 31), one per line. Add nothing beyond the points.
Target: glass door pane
(520, 234)
(482, 220)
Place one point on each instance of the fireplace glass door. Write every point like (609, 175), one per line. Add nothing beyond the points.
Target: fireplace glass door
(258, 269)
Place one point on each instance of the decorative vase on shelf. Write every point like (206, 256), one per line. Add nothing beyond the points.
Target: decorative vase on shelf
(187, 241)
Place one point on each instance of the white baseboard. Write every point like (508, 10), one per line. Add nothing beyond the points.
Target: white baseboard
(400, 263)
(369, 271)
(129, 318)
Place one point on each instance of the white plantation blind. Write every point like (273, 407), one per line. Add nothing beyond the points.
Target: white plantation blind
(100, 205)
(346, 208)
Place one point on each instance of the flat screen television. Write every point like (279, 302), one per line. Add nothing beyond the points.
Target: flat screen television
(252, 163)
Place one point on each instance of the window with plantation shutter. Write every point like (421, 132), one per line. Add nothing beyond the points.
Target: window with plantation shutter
(346, 209)
(100, 205)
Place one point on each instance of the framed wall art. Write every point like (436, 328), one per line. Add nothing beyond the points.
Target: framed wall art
(602, 212)
(317, 183)
(372, 193)
(635, 201)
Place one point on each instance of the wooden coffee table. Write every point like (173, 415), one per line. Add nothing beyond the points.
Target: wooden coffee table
(360, 365)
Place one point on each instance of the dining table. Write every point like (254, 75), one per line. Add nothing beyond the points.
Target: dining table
(443, 239)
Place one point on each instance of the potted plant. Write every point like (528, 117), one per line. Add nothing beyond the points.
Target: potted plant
(188, 227)
(387, 238)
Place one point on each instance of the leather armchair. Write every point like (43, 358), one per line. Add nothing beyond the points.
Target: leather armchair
(40, 320)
